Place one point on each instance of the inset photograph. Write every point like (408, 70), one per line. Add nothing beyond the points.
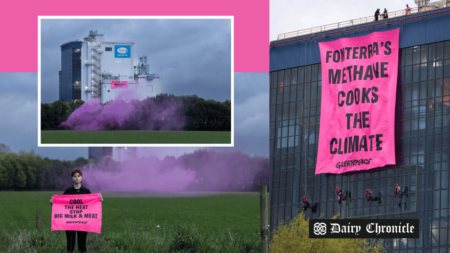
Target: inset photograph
(141, 81)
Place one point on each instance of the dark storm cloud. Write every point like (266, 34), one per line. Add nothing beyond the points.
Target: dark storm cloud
(192, 55)
(18, 128)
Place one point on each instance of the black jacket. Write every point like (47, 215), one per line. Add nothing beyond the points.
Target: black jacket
(377, 13)
(72, 190)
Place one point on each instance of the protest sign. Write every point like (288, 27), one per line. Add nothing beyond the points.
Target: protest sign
(119, 84)
(81, 212)
(359, 84)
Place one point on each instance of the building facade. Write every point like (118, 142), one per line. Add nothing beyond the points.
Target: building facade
(422, 131)
(89, 67)
(70, 74)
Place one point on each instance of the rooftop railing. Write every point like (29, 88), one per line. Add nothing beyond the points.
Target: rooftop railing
(395, 14)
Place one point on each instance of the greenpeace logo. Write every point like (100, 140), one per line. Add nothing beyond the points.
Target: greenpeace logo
(359, 228)
(353, 163)
(79, 222)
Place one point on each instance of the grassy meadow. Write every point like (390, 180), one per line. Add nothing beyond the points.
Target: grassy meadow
(227, 222)
(138, 137)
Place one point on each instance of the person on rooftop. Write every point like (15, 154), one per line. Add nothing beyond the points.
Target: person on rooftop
(408, 10)
(377, 13)
(385, 14)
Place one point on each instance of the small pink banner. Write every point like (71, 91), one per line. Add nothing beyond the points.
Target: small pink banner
(119, 84)
(359, 85)
(81, 212)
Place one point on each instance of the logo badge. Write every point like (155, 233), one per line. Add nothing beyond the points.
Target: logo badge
(320, 228)
(122, 50)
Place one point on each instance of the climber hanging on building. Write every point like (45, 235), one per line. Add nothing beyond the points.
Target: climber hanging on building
(305, 203)
(339, 194)
(369, 195)
(397, 190)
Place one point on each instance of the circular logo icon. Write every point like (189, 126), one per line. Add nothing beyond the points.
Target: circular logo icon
(122, 50)
(320, 228)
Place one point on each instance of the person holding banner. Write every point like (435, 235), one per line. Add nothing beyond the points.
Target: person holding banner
(77, 178)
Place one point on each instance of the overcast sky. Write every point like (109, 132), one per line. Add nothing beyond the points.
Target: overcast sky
(18, 127)
(192, 55)
(292, 15)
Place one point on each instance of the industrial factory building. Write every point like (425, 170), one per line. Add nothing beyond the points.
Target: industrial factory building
(96, 68)
(422, 130)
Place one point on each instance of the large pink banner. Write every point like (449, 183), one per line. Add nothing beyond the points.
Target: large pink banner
(81, 212)
(359, 84)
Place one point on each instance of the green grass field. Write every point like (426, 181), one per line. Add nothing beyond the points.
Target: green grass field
(239, 211)
(228, 222)
(152, 137)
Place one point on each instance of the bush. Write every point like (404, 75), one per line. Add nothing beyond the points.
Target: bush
(294, 237)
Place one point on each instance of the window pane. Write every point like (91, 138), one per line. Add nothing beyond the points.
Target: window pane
(416, 54)
(439, 69)
(416, 73)
(294, 76)
(308, 74)
(281, 78)
(301, 74)
(273, 96)
(447, 68)
(431, 70)
(440, 51)
(293, 94)
(424, 53)
(287, 77)
(423, 71)
(432, 52)
(273, 79)
(408, 75)
(408, 56)
(447, 50)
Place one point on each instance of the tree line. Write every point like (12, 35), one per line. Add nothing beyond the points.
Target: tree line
(199, 114)
(28, 171)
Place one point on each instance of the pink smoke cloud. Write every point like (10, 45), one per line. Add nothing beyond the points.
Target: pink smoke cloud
(127, 114)
(199, 171)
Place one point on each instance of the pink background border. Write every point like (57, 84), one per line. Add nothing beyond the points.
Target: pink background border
(20, 26)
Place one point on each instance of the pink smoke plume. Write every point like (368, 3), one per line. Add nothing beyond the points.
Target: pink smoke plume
(126, 114)
(199, 171)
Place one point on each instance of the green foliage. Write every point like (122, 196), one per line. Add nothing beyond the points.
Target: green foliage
(201, 115)
(294, 237)
(186, 238)
(52, 115)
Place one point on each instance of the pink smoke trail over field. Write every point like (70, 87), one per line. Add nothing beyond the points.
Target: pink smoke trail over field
(200, 171)
(127, 114)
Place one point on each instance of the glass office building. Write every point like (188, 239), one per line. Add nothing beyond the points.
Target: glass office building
(70, 74)
(422, 131)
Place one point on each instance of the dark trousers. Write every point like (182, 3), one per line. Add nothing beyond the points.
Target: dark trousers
(376, 17)
(70, 235)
